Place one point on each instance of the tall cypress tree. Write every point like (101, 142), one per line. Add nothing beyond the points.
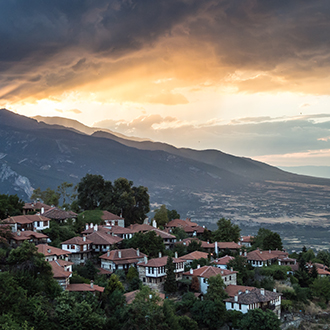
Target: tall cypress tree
(170, 284)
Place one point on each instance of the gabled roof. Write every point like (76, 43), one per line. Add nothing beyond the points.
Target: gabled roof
(83, 287)
(259, 255)
(232, 290)
(25, 219)
(27, 234)
(195, 255)
(209, 271)
(127, 255)
(110, 216)
(48, 250)
(140, 227)
(101, 238)
(36, 206)
(163, 234)
(254, 296)
(181, 223)
(77, 241)
(246, 239)
(58, 214)
(159, 262)
(224, 260)
(228, 245)
(58, 269)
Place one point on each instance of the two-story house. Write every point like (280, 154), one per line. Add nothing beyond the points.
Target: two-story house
(204, 273)
(102, 242)
(80, 248)
(222, 262)
(27, 222)
(153, 272)
(121, 259)
(52, 253)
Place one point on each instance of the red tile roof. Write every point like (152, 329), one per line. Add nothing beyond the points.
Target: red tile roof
(101, 238)
(254, 296)
(110, 216)
(159, 262)
(48, 250)
(127, 256)
(82, 287)
(266, 255)
(208, 271)
(246, 239)
(224, 260)
(232, 290)
(77, 240)
(58, 214)
(36, 206)
(195, 255)
(141, 228)
(58, 269)
(28, 234)
(181, 223)
(24, 219)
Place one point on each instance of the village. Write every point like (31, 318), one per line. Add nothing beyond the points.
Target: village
(193, 261)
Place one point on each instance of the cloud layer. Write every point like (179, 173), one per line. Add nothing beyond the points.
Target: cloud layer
(152, 51)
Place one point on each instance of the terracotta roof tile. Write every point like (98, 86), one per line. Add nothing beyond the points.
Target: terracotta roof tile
(127, 256)
(58, 269)
(48, 250)
(209, 271)
(110, 216)
(223, 261)
(28, 234)
(77, 240)
(158, 262)
(58, 214)
(254, 296)
(101, 238)
(82, 287)
(233, 290)
(24, 219)
(195, 255)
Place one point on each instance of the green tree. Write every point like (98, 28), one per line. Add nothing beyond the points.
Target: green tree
(10, 205)
(179, 233)
(194, 245)
(324, 256)
(195, 284)
(170, 284)
(256, 319)
(113, 284)
(245, 272)
(216, 289)
(267, 240)
(62, 189)
(132, 273)
(321, 288)
(161, 216)
(148, 243)
(172, 214)
(226, 231)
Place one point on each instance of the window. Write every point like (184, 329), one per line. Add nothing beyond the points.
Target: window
(232, 305)
(68, 247)
(230, 278)
(144, 279)
(240, 306)
(38, 223)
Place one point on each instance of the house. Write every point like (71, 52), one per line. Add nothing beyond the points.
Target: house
(110, 219)
(27, 222)
(80, 248)
(121, 259)
(322, 270)
(249, 299)
(122, 232)
(59, 215)
(35, 207)
(190, 257)
(153, 272)
(28, 235)
(102, 242)
(246, 240)
(52, 253)
(258, 258)
(204, 273)
(191, 228)
(222, 262)
(62, 271)
(84, 287)
(168, 239)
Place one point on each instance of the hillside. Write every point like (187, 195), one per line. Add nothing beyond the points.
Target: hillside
(202, 184)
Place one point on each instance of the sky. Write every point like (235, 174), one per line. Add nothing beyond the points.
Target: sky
(250, 78)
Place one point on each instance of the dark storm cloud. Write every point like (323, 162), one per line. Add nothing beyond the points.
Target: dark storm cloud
(287, 40)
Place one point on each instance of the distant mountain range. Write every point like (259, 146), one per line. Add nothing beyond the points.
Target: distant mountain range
(43, 152)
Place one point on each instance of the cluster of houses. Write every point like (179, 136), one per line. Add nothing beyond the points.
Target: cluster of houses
(105, 240)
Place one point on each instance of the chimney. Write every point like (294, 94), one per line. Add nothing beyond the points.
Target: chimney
(42, 210)
(145, 259)
(262, 291)
(48, 250)
(154, 223)
(119, 254)
(159, 255)
(236, 297)
(92, 284)
(108, 253)
(191, 271)
(239, 292)
(176, 255)
(274, 290)
(198, 266)
(18, 233)
(86, 226)
(245, 253)
(270, 251)
(231, 269)
(91, 225)
(246, 291)
(95, 227)
(222, 272)
(216, 247)
(240, 253)
(84, 238)
(138, 252)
